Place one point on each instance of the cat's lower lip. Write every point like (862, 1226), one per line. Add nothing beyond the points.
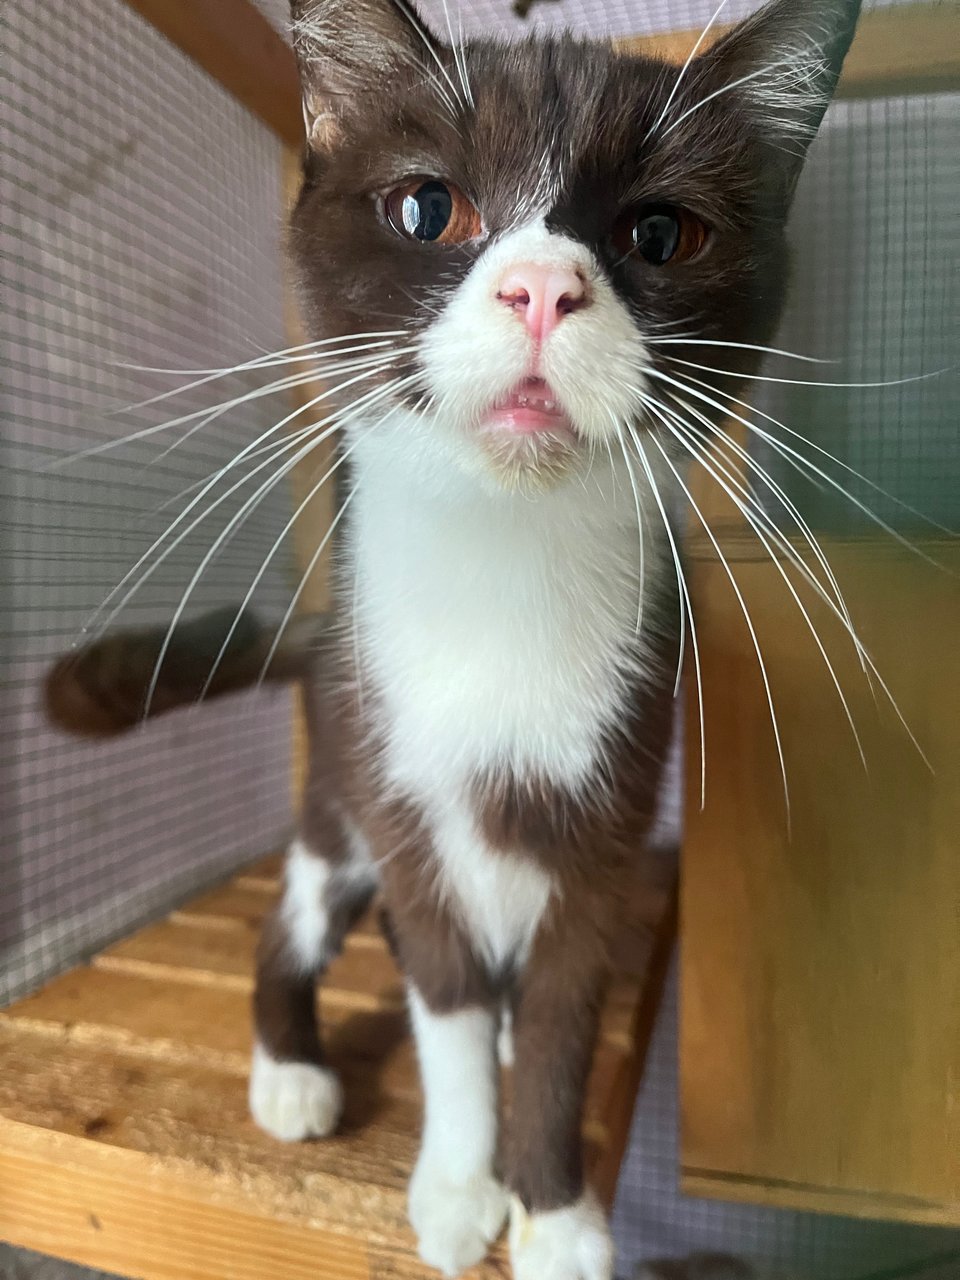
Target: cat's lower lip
(528, 411)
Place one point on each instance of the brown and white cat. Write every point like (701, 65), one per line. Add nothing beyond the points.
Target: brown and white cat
(530, 229)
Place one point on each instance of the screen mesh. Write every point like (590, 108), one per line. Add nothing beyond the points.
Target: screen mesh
(141, 216)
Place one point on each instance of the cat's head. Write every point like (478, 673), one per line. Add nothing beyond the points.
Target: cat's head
(542, 222)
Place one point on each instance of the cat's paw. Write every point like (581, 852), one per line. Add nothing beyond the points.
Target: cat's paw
(564, 1244)
(455, 1222)
(293, 1100)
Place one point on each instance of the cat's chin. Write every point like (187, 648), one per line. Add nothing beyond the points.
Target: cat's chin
(530, 463)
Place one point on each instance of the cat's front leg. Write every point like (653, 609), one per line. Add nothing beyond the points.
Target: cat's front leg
(293, 1093)
(457, 1206)
(557, 1229)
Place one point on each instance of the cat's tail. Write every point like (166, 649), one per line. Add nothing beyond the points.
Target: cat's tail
(102, 689)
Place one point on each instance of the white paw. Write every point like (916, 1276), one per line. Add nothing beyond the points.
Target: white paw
(293, 1100)
(455, 1223)
(564, 1244)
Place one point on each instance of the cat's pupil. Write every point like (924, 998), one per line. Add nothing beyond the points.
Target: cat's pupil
(656, 235)
(427, 211)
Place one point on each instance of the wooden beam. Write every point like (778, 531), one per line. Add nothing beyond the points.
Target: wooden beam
(907, 49)
(233, 42)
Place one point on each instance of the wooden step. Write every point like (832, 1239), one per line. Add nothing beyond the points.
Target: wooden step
(125, 1140)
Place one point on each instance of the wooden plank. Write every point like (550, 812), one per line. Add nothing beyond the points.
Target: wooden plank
(189, 1023)
(243, 904)
(186, 950)
(125, 1137)
(236, 45)
(911, 48)
(820, 1028)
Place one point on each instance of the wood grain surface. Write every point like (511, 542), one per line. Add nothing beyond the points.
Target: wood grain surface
(125, 1141)
(820, 1048)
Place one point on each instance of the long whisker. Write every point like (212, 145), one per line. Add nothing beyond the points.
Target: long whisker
(739, 346)
(255, 393)
(686, 607)
(303, 582)
(725, 440)
(747, 618)
(311, 351)
(799, 460)
(381, 361)
(458, 56)
(756, 517)
(817, 586)
(314, 490)
(636, 501)
(808, 382)
(234, 522)
(210, 484)
(428, 45)
(684, 69)
(885, 493)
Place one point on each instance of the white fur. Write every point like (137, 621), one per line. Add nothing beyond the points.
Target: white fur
(456, 1206)
(306, 876)
(498, 629)
(478, 349)
(293, 1100)
(500, 898)
(565, 1244)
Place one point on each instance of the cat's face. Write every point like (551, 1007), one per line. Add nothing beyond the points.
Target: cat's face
(542, 221)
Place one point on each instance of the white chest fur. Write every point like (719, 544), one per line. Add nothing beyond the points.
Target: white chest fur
(498, 630)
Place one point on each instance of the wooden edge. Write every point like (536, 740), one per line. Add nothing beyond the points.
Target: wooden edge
(787, 1195)
(907, 48)
(99, 1213)
(235, 44)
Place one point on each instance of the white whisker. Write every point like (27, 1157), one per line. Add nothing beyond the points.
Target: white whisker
(739, 346)
(747, 618)
(636, 502)
(799, 460)
(756, 517)
(240, 516)
(686, 605)
(684, 69)
(210, 484)
(807, 382)
(303, 582)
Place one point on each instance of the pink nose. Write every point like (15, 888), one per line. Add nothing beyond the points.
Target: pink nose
(543, 295)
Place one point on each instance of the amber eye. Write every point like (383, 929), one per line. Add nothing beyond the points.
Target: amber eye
(659, 233)
(429, 210)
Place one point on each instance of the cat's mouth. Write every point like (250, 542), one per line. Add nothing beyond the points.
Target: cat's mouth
(531, 409)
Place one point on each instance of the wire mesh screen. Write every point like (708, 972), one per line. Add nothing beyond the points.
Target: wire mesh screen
(876, 241)
(141, 215)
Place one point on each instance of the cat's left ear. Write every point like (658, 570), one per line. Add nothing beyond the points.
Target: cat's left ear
(350, 51)
(784, 62)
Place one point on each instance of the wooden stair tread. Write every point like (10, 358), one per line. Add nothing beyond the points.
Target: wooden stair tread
(125, 1140)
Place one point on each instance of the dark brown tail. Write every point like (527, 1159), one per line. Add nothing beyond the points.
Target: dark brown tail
(101, 690)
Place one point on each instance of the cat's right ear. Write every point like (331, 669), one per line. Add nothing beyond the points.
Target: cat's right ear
(349, 48)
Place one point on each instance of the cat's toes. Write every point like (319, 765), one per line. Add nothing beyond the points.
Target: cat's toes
(293, 1100)
(564, 1244)
(455, 1223)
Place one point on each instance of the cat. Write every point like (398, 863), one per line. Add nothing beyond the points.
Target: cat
(525, 233)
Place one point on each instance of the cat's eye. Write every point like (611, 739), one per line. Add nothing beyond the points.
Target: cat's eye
(659, 233)
(429, 210)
